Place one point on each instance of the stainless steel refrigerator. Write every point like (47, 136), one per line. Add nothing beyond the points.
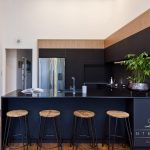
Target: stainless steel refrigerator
(52, 73)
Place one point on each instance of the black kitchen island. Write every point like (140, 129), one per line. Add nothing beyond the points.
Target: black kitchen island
(99, 101)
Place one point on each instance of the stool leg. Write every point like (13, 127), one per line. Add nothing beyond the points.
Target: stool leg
(39, 135)
(105, 129)
(74, 131)
(6, 132)
(128, 127)
(57, 134)
(94, 131)
(115, 134)
(130, 131)
(4, 136)
(87, 126)
(42, 132)
(89, 131)
(78, 133)
(26, 130)
(10, 133)
(60, 137)
(109, 132)
(21, 132)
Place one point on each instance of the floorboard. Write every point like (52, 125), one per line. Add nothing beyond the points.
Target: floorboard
(67, 147)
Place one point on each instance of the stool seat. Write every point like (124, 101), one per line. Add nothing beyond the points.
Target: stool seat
(84, 113)
(117, 114)
(49, 113)
(17, 113)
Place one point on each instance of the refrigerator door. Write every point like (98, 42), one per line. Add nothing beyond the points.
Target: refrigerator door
(44, 76)
(60, 74)
(52, 73)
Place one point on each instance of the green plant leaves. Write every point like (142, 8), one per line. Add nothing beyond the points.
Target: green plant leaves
(139, 65)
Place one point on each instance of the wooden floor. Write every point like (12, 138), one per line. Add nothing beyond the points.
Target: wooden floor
(67, 147)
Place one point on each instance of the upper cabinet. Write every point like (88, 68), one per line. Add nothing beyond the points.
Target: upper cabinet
(136, 43)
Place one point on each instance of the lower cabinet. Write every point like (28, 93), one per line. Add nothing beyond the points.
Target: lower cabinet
(142, 122)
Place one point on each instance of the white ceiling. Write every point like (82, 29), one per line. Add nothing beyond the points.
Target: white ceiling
(68, 19)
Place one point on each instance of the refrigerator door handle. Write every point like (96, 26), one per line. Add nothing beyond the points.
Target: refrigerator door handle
(40, 74)
(53, 80)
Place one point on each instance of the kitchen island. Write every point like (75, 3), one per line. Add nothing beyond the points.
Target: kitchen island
(97, 100)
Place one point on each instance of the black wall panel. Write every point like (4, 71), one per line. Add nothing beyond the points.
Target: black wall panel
(46, 53)
(136, 43)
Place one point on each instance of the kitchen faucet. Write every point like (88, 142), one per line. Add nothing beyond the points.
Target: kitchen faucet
(73, 85)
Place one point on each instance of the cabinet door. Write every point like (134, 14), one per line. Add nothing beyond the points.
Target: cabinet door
(142, 122)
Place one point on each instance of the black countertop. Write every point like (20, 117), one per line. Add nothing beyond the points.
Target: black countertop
(105, 92)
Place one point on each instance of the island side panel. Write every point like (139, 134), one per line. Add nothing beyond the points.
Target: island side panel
(142, 123)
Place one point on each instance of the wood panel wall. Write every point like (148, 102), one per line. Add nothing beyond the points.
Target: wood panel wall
(52, 43)
(140, 23)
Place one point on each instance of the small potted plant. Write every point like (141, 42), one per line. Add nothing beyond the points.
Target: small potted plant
(139, 65)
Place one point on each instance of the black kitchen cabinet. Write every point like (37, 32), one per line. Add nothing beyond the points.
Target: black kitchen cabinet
(141, 122)
(75, 62)
(136, 43)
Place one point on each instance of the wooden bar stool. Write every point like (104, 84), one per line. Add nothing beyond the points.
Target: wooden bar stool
(84, 118)
(48, 118)
(11, 117)
(119, 115)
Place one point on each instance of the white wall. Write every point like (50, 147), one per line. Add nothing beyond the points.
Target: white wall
(125, 11)
(0, 67)
(1, 48)
(30, 20)
(11, 70)
(86, 19)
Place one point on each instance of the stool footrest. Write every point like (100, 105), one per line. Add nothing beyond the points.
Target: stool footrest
(118, 136)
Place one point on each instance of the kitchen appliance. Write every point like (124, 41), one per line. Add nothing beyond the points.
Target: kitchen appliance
(26, 74)
(52, 73)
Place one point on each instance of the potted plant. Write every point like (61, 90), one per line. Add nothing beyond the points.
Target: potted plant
(139, 65)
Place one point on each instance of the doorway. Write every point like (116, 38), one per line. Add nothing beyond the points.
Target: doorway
(18, 69)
